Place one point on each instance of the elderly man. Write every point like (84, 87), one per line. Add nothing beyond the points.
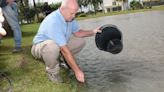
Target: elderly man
(54, 36)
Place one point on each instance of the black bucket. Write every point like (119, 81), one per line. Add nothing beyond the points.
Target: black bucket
(110, 39)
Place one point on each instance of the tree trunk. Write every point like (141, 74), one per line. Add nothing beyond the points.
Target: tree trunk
(36, 10)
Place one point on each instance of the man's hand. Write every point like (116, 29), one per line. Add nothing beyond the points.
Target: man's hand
(79, 76)
(96, 30)
(10, 1)
(72, 63)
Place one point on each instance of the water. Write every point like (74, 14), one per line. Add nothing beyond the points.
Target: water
(139, 67)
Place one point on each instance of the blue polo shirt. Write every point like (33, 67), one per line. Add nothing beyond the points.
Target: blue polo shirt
(54, 27)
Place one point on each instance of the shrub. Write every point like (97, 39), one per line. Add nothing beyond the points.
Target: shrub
(135, 4)
(55, 6)
(82, 15)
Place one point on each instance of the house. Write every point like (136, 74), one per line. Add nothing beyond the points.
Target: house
(42, 1)
(114, 5)
(108, 5)
(152, 2)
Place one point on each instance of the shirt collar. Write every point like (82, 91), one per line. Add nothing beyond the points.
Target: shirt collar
(61, 16)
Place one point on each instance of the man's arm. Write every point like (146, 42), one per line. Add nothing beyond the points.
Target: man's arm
(72, 63)
(86, 33)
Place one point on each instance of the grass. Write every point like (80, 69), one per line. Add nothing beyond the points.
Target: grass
(28, 74)
(155, 8)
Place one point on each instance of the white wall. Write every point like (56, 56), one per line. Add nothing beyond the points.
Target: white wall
(108, 2)
(49, 1)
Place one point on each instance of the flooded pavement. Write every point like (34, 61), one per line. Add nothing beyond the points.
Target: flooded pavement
(139, 67)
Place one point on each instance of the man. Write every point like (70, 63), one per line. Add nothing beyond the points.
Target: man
(53, 37)
(9, 8)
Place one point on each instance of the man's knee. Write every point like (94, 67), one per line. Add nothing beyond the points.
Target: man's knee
(50, 47)
(44, 48)
(82, 42)
(76, 45)
(50, 54)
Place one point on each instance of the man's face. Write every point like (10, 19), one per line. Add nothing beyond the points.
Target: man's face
(70, 14)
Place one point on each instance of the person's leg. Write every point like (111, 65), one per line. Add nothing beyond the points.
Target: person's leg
(12, 18)
(76, 44)
(49, 52)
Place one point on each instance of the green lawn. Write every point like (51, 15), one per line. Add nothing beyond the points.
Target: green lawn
(28, 74)
(155, 8)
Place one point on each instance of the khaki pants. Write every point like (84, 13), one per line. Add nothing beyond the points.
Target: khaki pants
(49, 52)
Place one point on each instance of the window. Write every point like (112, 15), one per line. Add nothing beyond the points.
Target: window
(114, 3)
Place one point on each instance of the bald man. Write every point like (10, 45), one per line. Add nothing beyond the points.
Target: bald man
(54, 36)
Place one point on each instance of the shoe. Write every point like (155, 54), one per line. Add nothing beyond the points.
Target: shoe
(63, 63)
(17, 49)
(55, 78)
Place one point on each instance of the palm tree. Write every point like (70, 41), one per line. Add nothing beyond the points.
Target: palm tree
(24, 3)
(150, 4)
(36, 10)
(80, 4)
(122, 1)
(94, 3)
(24, 7)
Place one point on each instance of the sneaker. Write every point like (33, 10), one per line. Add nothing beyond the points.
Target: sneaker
(55, 78)
(63, 62)
(64, 65)
(17, 49)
